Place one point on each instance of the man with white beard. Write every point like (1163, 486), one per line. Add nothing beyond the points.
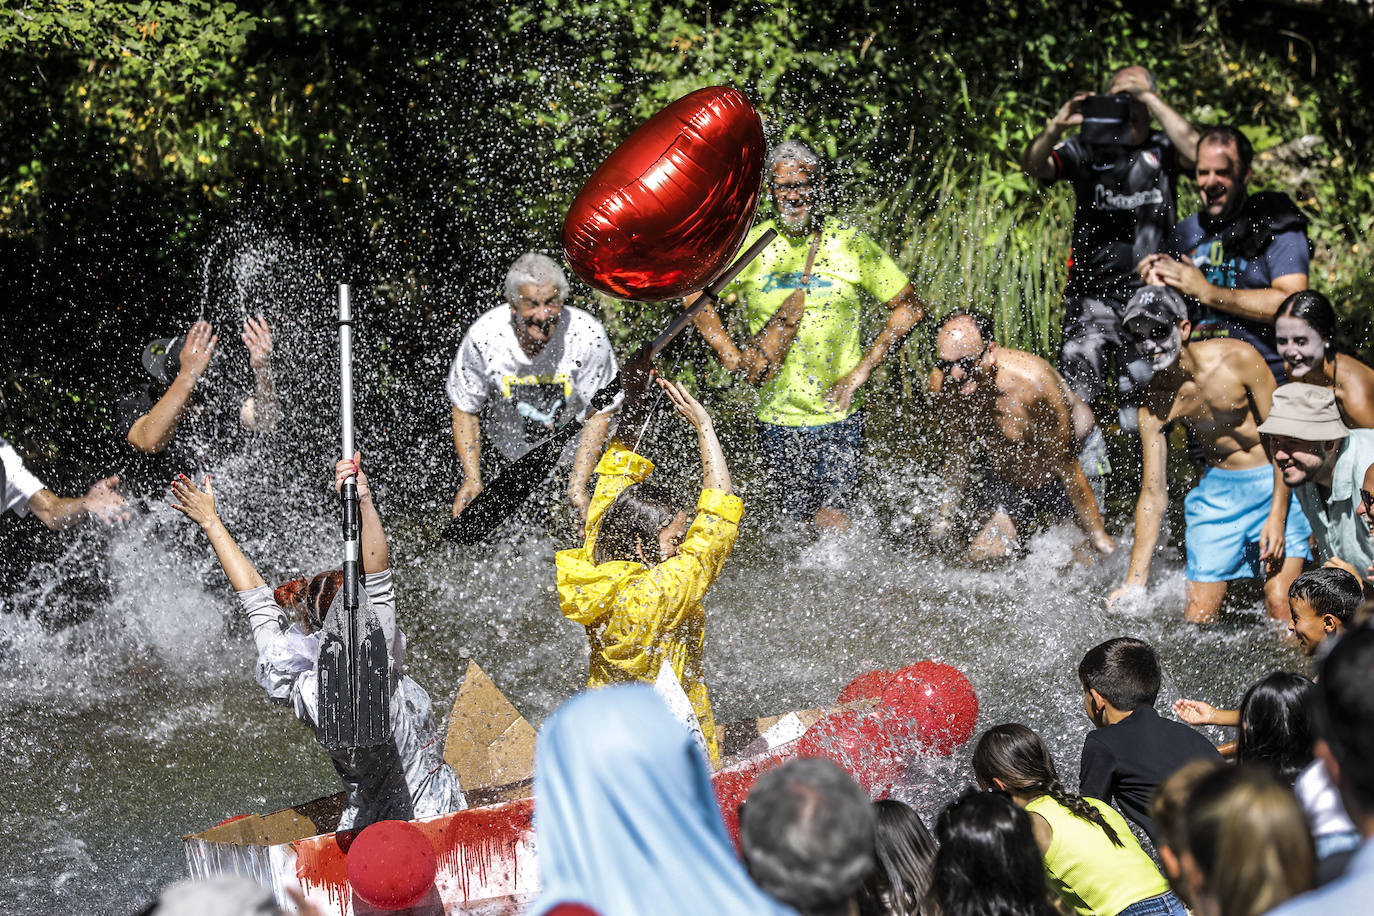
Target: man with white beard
(1221, 390)
(810, 421)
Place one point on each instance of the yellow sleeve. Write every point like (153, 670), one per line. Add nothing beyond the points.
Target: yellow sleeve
(686, 576)
(618, 468)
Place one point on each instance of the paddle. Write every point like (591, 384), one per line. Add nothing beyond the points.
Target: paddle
(505, 494)
(354, 671)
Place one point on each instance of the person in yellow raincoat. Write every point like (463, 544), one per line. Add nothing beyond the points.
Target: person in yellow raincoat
(637, 582)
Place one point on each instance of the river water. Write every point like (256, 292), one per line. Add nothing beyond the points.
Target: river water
(142, 723)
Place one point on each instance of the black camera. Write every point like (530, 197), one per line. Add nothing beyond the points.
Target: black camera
(1107, 119)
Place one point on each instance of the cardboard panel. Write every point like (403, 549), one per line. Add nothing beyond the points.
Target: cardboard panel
(489, 743)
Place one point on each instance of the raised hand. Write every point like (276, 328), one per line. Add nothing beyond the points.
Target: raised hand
(257, 337)
(196, 504)
(685, 404)
(104, 502)
(1071, 113)
(196, 351)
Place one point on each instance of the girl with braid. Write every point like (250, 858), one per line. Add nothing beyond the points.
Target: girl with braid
(1092, 860)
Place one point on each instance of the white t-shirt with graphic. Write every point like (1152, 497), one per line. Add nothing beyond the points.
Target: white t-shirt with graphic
(18, 483)
(523, 399)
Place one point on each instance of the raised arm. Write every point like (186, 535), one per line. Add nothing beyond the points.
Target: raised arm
(260, 412)
(152, 432)
(376, 556)
(1153, 499)
(1035, 161)
(715, 474)
(1182, 134)
(199, 506)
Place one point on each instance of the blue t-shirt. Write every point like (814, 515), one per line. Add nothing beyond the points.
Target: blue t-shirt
(1285, 254)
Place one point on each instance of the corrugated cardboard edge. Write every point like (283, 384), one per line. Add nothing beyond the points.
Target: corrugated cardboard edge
(489, 743)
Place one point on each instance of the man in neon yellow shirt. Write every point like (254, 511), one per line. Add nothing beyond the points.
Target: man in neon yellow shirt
(810, 416)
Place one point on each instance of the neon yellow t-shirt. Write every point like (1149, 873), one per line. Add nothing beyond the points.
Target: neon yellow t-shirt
(848, 264)
(1091, 874)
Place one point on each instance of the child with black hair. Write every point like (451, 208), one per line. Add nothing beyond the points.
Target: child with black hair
(638, 582)
(1132, 749)
(1092, 860)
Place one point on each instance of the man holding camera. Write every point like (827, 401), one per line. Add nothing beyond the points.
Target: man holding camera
(1123, 177)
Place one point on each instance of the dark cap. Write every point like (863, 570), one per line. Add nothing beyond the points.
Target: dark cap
(162, 358)
(1157, 303)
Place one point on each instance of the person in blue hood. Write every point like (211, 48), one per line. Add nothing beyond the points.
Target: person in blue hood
(625, 818)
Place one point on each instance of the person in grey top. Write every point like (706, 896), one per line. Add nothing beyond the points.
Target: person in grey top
(405, 779)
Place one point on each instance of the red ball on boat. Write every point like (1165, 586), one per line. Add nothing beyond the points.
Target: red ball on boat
(859, 741)
(868, 685)
(391, 865)
(937, 702)
(666, 211)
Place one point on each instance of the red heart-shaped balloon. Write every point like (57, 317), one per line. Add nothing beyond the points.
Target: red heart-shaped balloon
(666, 211)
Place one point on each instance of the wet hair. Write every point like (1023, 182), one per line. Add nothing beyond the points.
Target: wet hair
(1330, 591)
(536, 269)
(1226, 135)
(1250, 839)
(1018, 757)
(981, 320)
(793, 151)
(308, 600)
(1312, 307)
(1125, 670)
(1275, 725)
(807, 834)
(1345, 714)
(988, 862)
(905, 853)
(632, 520)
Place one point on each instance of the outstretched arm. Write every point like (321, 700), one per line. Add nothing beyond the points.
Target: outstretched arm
(199, 506)
(1054, 415)
(715, 474)
(376, 556)
(1152, 502)
(152, 432)
(102, 500)
(260, 412)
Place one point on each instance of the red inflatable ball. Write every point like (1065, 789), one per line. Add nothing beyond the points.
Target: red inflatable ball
(869, 685)
(666, 212)
(936, 703)
(391, 865)
(859, 741)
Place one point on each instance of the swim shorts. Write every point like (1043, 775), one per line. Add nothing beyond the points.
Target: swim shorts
(1224, 514)
(810, 467)
(994, 494)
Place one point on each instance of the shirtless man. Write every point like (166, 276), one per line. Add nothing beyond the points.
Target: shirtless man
(1221, 389)
(1014, 413)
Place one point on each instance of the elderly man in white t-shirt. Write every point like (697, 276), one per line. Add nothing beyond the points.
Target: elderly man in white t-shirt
(525, 369)
(25, 493)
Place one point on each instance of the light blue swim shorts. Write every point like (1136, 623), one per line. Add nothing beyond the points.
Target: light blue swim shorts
(1224, 514)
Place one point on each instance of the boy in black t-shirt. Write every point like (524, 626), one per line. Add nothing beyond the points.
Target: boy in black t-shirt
(1132, 750)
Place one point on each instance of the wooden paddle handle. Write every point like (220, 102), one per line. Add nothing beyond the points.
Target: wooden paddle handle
(710, 293)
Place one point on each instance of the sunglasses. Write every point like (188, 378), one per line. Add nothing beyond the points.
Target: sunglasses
(1368, 499)
(1157, 332)
(966, 363)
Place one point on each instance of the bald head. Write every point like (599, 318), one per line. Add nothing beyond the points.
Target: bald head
(963, 350)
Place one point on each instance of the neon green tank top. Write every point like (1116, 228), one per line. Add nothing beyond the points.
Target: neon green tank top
(1093, 875)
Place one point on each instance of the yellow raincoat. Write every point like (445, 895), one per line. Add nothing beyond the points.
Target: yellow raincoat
(637, 616)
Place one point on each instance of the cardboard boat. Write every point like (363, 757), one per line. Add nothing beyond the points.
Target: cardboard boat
(486, 853)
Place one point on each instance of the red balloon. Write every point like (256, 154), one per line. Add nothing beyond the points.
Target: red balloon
(936, 702)
(868, 685)
(391, 865)
(665, 213)
(859, 741)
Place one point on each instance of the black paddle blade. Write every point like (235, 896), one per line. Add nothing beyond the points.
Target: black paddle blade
(354, 677)
(499, 499)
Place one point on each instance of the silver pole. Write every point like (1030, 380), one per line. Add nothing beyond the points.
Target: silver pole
(346, 370)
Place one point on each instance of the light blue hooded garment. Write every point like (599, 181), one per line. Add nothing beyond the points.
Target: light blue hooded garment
(625, 819)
